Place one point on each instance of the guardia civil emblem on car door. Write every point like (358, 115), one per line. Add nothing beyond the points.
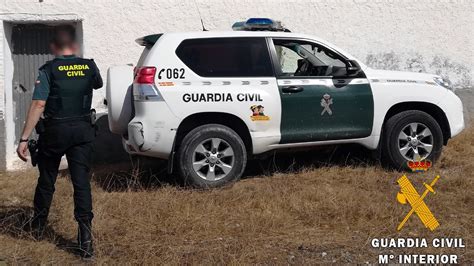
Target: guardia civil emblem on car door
(258, 113)
(326, 102)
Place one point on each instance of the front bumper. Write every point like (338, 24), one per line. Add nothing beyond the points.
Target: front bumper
(454, 112)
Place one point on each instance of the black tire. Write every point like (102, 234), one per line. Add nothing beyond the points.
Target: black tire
(391, 153)
(187, 155)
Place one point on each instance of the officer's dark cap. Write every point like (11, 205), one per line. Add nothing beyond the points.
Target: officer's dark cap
(64, 36)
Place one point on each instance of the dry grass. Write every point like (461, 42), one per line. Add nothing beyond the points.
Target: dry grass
(321, 209)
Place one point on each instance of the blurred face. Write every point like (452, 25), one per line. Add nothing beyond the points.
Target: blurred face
(75, 48)
(71, 49)
(67, 46)
(54, 49)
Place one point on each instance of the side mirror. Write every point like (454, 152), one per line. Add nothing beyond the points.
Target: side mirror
(352, 68)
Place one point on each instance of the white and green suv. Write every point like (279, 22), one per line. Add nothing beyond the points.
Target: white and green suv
(207, 101)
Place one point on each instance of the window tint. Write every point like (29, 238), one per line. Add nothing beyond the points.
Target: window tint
(226, 57)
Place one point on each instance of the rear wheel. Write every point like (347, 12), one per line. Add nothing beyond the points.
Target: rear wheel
(211, 156)
(411, 136)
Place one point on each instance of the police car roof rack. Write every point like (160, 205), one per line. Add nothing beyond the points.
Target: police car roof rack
(259, 24)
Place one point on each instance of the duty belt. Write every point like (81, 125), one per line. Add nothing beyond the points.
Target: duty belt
(55, 121)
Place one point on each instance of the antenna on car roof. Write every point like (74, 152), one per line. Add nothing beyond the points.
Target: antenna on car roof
(199, 12)
(203, 28)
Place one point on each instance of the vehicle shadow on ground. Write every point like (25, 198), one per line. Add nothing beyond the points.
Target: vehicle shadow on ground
(151, 174)
(294, 161)
(136, 174)
(15, 222)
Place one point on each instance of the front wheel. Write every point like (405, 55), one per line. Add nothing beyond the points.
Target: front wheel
(211, 156)
(411, 136)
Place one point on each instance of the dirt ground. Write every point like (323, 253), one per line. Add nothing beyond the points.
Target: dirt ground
(322, 206)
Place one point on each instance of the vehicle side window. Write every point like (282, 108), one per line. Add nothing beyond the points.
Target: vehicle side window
(328, 59)
(300, 58)
(226, 57)
(288, 60)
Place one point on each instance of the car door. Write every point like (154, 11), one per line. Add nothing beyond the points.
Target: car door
(319, 101)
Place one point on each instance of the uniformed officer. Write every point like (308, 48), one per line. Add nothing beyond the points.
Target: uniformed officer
(63, 95)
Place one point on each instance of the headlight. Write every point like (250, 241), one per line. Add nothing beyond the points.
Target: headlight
(443, 83)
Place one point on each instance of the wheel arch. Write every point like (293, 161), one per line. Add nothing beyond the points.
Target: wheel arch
(432, 109)
(226, 119)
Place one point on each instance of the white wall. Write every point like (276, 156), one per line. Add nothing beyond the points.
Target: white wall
(428, 35)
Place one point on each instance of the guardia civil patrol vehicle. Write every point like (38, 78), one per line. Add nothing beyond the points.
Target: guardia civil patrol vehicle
(207, 101)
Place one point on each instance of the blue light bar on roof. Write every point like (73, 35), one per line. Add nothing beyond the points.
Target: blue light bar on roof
(256, 24)
(259, 22)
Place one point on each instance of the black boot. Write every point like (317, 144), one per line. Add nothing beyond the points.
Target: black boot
(84, 239)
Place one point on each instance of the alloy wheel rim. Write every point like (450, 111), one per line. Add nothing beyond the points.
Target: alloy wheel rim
(213, 159)
(415, 142)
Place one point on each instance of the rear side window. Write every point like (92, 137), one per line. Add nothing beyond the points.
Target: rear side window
(226, 57)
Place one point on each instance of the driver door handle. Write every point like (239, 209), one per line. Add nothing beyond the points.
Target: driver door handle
(292, 89)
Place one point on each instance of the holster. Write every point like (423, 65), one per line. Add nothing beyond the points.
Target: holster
(93, 117)
(33, 148)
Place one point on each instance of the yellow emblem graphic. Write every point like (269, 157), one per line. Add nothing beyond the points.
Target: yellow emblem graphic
(418, 206)
(258, 113)
(420, 166)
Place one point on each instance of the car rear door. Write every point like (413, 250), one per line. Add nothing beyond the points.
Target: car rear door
(317, 106)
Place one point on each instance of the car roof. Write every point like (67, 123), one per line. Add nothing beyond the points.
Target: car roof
(224, 34)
